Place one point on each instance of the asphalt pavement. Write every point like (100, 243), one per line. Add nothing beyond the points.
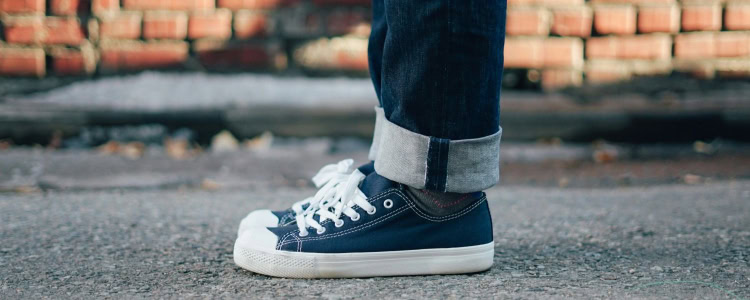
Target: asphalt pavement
(666, 240)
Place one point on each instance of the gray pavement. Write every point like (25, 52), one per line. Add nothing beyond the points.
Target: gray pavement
(78, 224)
(684, 242)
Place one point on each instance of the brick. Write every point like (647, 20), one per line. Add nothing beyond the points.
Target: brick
(168, 4)
(645, 46)
(602, 47)
(351, 55)
(615, 19)
(249, 24)
(527, 21)
(236, 55)
(523, 53)
(732, 44)
(659, 18)
(340, 53)
(249, 4)
(651, 67)
(607, 71)
(165, 25)
(24, 30)
(22, 61)
(701, 16)
(737, 16)
(78, 61)
(346, 21)
(123, 56)
(572, 21)
(694, 45)
(48, 30)
(300, 22)
(563, 52)
(553, 79)
(733, 68)
(69, 7)
(67, 31)
(634, 2)
(702, 69)
(22, 6)
(102, 7)
(125, 25)
(215, 24)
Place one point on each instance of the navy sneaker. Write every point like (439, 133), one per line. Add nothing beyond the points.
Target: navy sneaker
(370, 227)
(326, 179)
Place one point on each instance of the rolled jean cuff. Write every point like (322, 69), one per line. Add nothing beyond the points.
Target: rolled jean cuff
(424, 162)
(379, 119)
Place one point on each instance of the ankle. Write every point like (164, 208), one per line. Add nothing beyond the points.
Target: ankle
(441, 203)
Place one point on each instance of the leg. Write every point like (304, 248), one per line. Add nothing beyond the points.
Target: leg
(439, 84)
(440, 90)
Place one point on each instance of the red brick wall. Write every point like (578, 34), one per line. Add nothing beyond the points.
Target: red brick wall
(565, 42)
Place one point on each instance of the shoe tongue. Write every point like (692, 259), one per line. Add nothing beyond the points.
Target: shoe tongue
(374, 184)
(367, 168)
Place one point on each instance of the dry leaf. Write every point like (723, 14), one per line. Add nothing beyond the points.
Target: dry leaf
(692, 179)
(210, 185)
(109, 148)
(224, 141)
(177, 148)
(133, 150)
(605, 155)
(261, 142)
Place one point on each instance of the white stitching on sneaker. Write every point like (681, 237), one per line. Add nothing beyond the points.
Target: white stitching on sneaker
(391, 214)
(375, 198)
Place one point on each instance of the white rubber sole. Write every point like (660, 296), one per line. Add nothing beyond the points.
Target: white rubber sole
(365, 264)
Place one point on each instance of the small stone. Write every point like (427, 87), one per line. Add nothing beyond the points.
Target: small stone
(657, 269)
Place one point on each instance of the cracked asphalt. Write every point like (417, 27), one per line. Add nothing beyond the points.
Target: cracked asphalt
(664, 240)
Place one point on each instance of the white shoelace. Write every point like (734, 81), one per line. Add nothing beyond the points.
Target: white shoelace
(340, 198)
(325, 180)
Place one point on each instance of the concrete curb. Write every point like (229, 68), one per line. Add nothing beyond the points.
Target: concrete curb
(522, 120)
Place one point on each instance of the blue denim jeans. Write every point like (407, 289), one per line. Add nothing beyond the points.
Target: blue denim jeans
(437, 68)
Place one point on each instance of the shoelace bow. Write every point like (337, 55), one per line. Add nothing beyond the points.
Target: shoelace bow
(335, 198)
(326, 179)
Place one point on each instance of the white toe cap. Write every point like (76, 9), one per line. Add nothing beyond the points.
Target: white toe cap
(259, 218)
(258, 238)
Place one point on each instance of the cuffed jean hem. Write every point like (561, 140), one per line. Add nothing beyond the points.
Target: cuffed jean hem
(437, 164)
(379, 119)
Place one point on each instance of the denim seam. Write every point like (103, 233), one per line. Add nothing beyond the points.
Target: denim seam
(471, 164)
(374, 198)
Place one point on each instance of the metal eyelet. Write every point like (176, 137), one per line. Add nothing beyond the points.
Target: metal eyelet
(303, 233)
(339, 223)
(388, 203)
(321, 230)
(372, 212)
(355, 218)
